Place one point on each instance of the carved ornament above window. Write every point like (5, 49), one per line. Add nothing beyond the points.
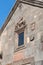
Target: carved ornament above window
(20, 25)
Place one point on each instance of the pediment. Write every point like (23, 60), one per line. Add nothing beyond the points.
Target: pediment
(20, 25)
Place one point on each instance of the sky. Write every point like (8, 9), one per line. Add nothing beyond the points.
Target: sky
(5, 8)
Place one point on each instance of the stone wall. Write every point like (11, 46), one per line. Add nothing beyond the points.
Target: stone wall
(30, 14)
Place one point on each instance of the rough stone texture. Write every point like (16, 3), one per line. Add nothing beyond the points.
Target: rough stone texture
(9, 37)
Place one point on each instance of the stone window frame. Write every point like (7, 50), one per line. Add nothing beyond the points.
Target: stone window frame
(20, 6)
(19, 43)
(19, 28)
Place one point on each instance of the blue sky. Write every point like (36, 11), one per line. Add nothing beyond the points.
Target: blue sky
(5, 8)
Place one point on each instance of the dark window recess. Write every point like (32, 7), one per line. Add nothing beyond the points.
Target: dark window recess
(0, 56)
(21, 39)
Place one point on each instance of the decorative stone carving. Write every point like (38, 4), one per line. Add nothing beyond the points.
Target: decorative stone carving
(20, 5)
(32, 37)
(20, 25)
(32, 26)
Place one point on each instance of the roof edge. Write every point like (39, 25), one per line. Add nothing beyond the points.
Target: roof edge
(9, 16)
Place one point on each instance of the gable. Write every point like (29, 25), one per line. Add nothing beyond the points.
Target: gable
(35, 3)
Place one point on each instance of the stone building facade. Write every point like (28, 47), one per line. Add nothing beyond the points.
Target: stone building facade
(22, 34)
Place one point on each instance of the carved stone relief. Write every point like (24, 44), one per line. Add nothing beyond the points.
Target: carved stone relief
(20, 25)
(32, 26)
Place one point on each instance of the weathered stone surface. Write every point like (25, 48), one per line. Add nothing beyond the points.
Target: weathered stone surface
(9, 37)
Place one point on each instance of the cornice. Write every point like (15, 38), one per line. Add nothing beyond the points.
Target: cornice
(35, 3)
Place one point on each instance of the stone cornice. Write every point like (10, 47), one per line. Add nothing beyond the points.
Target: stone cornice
(33, 3)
